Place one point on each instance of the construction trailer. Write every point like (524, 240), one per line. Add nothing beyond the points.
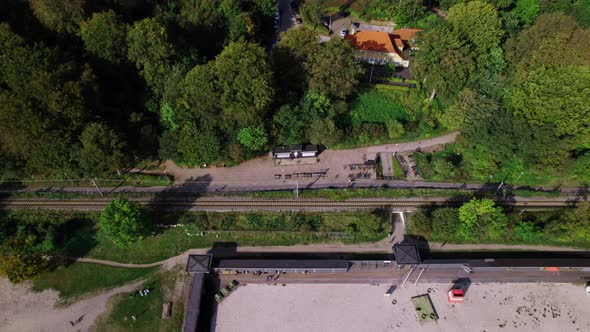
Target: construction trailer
(456, 296)
(295, 151)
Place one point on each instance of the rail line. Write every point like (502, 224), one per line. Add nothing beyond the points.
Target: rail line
(282, 204)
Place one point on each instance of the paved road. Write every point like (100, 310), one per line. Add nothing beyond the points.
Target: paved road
(287, 15)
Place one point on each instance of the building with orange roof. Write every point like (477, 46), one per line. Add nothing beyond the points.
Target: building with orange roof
(379, 47)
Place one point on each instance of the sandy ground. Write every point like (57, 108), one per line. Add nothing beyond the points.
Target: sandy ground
(23, 310)
(262, 170)
(488, 307)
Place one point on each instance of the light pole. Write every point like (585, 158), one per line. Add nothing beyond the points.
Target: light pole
(296, 188)
(518, 178)
(97, 188)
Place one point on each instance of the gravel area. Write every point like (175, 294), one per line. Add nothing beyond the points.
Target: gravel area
(487, 307)
(23, 310)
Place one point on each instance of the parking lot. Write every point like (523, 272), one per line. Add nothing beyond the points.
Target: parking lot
(487, 307)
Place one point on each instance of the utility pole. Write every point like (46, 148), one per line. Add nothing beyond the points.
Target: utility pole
(296, 188)
(518, 178)
(97, 188)
(371, 75)
(499, 187)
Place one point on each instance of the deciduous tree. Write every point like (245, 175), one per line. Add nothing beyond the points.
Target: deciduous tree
(18, 267)
(102, 150)
(253, 138)
(63, 16)
(245, 83)
(198, 145)
(527, 10)
(104, 36)
(556, 96)
(334, 71)
(479, 22)
(149, 49)
(480, 218)
(123, 221)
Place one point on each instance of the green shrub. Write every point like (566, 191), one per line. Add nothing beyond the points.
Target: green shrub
(527, 231)
(445, 223)
(420, 224)
(377, 107)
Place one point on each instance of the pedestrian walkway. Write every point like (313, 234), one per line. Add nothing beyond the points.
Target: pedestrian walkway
(386, 163)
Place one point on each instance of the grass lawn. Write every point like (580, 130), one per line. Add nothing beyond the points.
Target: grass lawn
(354, 7)
(79, 279)
(147, 310)
(424, 309)
(398, 172)
(131, 180)
(377, 107)
(254, 229)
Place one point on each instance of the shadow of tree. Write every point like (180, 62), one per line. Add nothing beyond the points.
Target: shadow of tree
(170, 205)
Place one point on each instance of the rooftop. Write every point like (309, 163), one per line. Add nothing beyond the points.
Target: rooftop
(375, 41)
(407, 34)
(406, 253)
(198, 264)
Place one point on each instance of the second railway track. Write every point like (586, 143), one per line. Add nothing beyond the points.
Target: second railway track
(262, 204)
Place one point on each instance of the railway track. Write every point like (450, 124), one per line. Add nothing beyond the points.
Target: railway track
(262, 204)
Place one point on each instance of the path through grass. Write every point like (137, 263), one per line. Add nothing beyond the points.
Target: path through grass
(80, 279)
(147, 310)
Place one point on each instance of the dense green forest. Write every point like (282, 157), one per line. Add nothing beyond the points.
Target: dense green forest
(515, 79)
(88, 88)
(479, 221)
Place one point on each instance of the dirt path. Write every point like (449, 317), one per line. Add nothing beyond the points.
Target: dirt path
(412, 146)
(24, 310)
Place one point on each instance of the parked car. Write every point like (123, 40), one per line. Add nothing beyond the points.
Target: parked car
(588, 289)
(343, 32)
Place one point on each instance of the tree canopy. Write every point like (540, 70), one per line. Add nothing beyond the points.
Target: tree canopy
(104, 36)
(333, 70)
(245, 81)
(101, 151)
(59, 15)
(123, 221)
(480, 216)
(478, 22)
(149, 49)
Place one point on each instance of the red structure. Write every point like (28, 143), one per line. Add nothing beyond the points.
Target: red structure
(456, 296)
